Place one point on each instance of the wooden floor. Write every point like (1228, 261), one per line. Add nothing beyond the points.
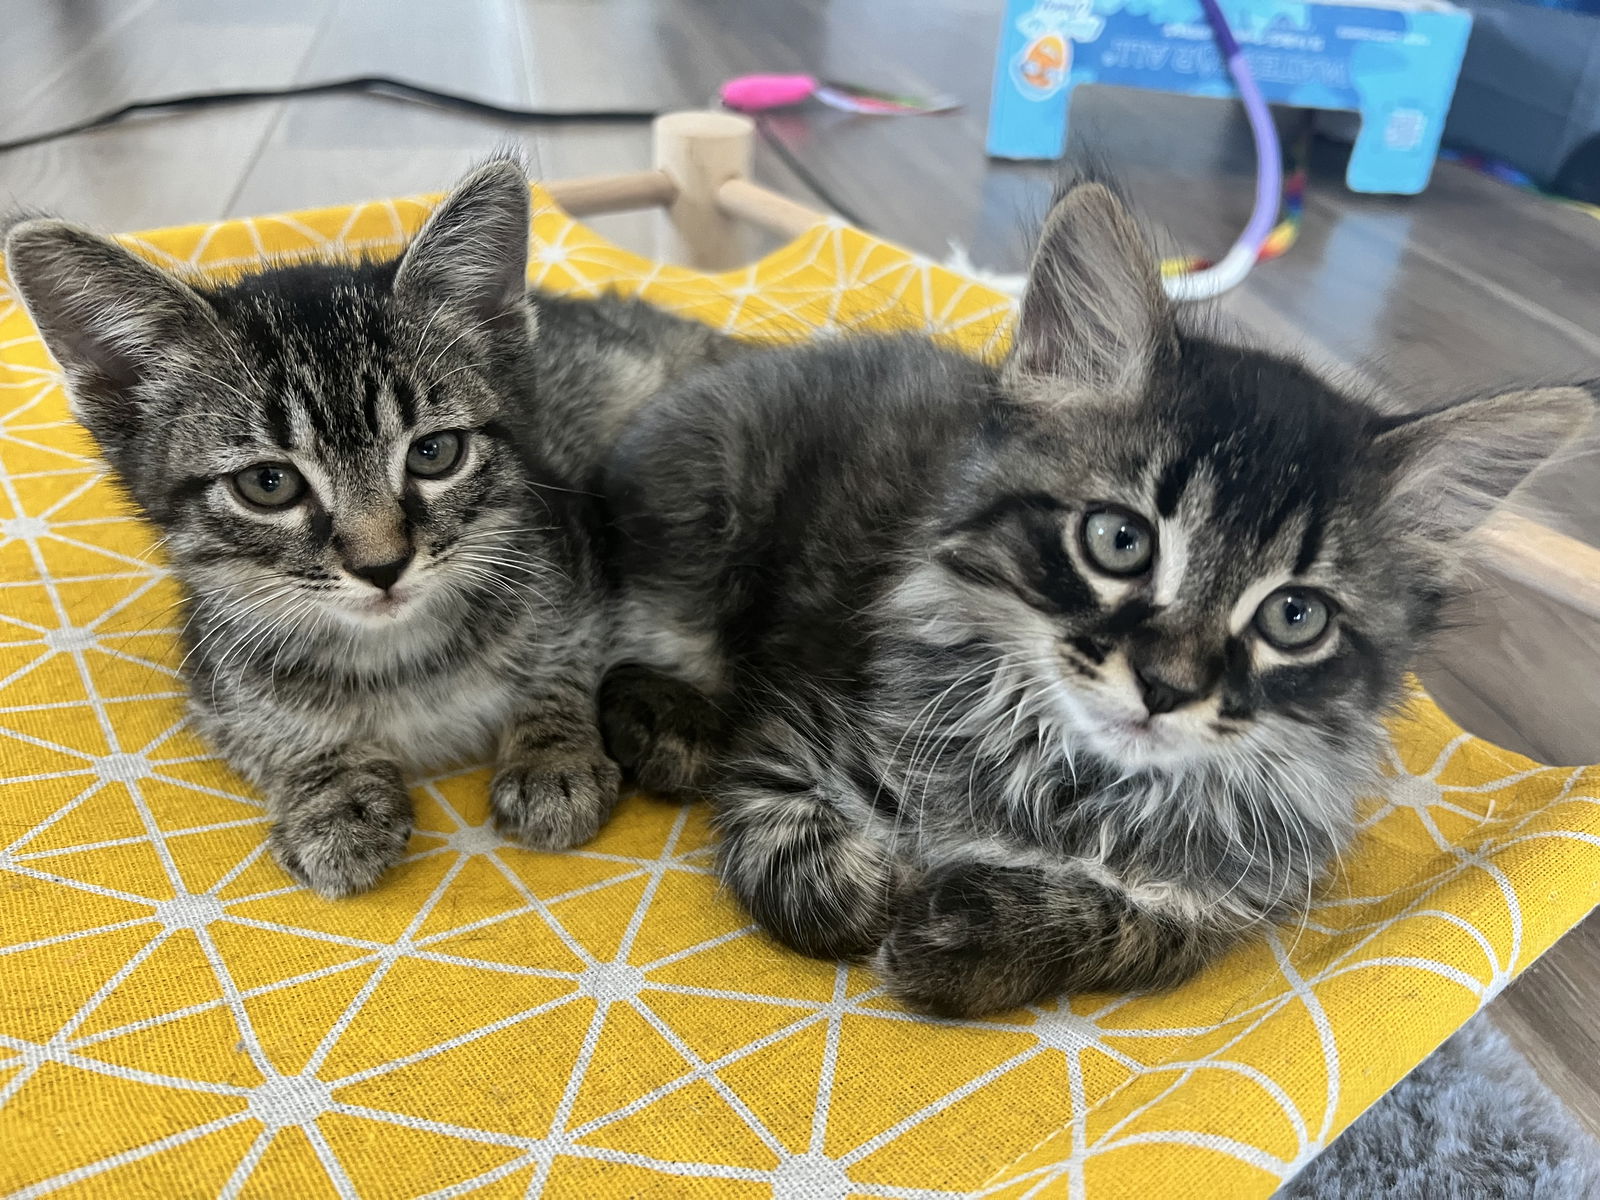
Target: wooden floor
(1469, 286)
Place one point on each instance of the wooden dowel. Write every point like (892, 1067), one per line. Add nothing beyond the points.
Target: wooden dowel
(737, 198)
(699, 152)
(761, 206)
(1536, 556)
(592, 194)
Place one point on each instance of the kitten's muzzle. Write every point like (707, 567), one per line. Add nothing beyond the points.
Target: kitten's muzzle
(1162, 695)
(383, 575)
(373, 543)
(1171, 673)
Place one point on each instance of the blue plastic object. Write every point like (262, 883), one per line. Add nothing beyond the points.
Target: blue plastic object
(1395, 63)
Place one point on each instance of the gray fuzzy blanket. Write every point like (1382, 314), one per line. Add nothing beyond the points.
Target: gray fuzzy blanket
(1473, 1122)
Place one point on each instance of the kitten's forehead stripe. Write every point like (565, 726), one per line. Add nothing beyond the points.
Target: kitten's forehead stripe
(321, 420)
(1254, 499)
(276, 413)
(1310, 540)
(369, 400)
(1286, 502)
(1169, 490)
(405, 399)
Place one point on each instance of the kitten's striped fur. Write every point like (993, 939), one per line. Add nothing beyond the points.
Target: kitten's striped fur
(859, 608)
(387, 620)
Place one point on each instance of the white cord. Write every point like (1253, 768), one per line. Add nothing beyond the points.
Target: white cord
(1228, 273)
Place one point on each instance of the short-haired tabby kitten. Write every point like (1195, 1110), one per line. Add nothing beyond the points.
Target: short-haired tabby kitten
(370, 479)
(1055, 677)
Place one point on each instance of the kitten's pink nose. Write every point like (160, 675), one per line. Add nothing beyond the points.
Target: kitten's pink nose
(381, 575)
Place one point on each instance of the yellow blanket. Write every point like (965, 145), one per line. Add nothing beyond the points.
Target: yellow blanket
(177, 1021)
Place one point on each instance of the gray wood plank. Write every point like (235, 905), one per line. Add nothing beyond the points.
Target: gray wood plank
(166, 170)
(1548, 1012)
(45, 43)
(175, 171)
(471, 48)
(341, 149)
(101, 56)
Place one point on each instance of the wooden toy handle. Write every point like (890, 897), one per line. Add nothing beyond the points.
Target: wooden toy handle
(700, 152)
(1549, 562)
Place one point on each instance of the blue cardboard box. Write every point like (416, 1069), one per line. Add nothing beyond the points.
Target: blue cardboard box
(1394, 62)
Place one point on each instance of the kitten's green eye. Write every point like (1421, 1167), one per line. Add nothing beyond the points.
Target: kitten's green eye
(434, 455)
(1118, 542)
(269, 485)
(1293, 618)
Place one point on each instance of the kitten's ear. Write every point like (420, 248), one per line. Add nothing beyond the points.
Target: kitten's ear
(1454, 466)
(1094, 312)
(473, 252)
(110, 318)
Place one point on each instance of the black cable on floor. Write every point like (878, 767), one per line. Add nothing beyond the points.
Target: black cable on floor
(386, 86)
(390, 88)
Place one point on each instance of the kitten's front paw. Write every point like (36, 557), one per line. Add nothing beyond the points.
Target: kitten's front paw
(558, 800)
(817, 886)
(663, 732)
(959, 946)
(340, 838)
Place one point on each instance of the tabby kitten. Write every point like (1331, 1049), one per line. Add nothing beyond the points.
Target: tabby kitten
(1063, 676)
(371, 480)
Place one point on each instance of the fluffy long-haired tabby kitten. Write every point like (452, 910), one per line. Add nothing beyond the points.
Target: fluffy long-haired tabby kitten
(370, 479)
(1054, 677)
